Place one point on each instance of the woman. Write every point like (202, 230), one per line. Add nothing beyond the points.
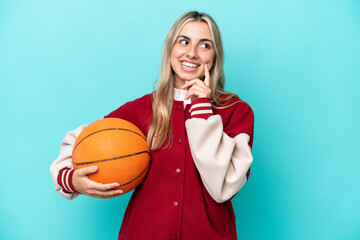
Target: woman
(200, 139)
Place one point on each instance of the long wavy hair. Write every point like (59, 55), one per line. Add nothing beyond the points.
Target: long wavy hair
(163, 97)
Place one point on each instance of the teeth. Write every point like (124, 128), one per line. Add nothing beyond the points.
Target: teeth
(187, 64)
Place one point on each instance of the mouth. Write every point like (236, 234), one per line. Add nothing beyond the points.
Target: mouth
(188, 66)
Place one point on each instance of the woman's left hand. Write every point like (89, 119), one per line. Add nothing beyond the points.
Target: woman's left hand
(198, 88)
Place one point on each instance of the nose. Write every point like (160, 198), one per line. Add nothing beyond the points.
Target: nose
(192, 52)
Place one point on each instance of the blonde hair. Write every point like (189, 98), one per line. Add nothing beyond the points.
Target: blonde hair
(163, 97)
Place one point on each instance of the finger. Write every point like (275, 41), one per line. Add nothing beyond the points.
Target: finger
(190, 93)
(187, 96)
(201, 86)
(189, 83)
(102, 194)
(207, 76)
(197, 91)
(104, 187)
(186, 84)
(196, 81)
(87, 170)
(104, 197)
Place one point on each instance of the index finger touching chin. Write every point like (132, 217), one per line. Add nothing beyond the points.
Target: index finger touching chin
(207, 76)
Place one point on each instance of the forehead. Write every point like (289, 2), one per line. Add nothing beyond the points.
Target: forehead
(196, 30)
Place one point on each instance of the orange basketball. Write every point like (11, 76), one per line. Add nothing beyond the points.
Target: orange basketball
(118, 148)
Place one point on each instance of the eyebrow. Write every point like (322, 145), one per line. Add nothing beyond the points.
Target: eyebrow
(201, 40)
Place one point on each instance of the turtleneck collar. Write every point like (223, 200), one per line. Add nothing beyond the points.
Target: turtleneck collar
(180, 94)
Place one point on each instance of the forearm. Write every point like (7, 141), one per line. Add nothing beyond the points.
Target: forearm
(61, 168)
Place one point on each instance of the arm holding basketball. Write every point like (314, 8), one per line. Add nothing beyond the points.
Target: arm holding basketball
(85, 186)
(61, 168)
(68, 182)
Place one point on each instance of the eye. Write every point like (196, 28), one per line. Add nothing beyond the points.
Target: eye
(183, 42)
(205, 45)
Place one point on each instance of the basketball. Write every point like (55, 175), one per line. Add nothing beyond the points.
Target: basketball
(118, 148)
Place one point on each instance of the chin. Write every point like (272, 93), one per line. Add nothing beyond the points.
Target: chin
(188, 77)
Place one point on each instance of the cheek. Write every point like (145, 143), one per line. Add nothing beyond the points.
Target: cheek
(210, 60)
(173, 63)
(176, 52)
(172, 60)
(174, 56)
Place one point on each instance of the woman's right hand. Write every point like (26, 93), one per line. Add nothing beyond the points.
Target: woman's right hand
(85, 186)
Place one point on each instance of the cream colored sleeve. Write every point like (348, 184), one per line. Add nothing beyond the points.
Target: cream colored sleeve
(222, 161)
(64, 160)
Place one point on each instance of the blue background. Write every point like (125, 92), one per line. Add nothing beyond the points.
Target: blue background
(66, 63)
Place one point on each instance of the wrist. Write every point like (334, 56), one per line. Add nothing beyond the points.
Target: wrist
(65, 179)
(201, 108)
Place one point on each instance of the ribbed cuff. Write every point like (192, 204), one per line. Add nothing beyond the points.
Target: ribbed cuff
(201, 108)
(65, 180)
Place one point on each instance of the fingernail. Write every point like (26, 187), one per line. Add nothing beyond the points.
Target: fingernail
(93, 168)
(117, 185)
(120, 192)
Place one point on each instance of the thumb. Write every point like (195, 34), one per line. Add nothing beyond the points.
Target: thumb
(87, 170)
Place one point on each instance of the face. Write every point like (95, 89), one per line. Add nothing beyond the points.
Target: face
(193, 49)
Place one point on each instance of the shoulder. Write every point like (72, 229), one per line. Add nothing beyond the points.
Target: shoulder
(233, 103)
(138, 112)
(146, 99)
(138, 102)
(141, 104)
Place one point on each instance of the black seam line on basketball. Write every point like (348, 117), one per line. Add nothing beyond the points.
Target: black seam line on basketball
(111, 159)
(137, 176)
(107, 129)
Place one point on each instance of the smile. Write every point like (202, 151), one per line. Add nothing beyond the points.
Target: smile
(189, 65)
